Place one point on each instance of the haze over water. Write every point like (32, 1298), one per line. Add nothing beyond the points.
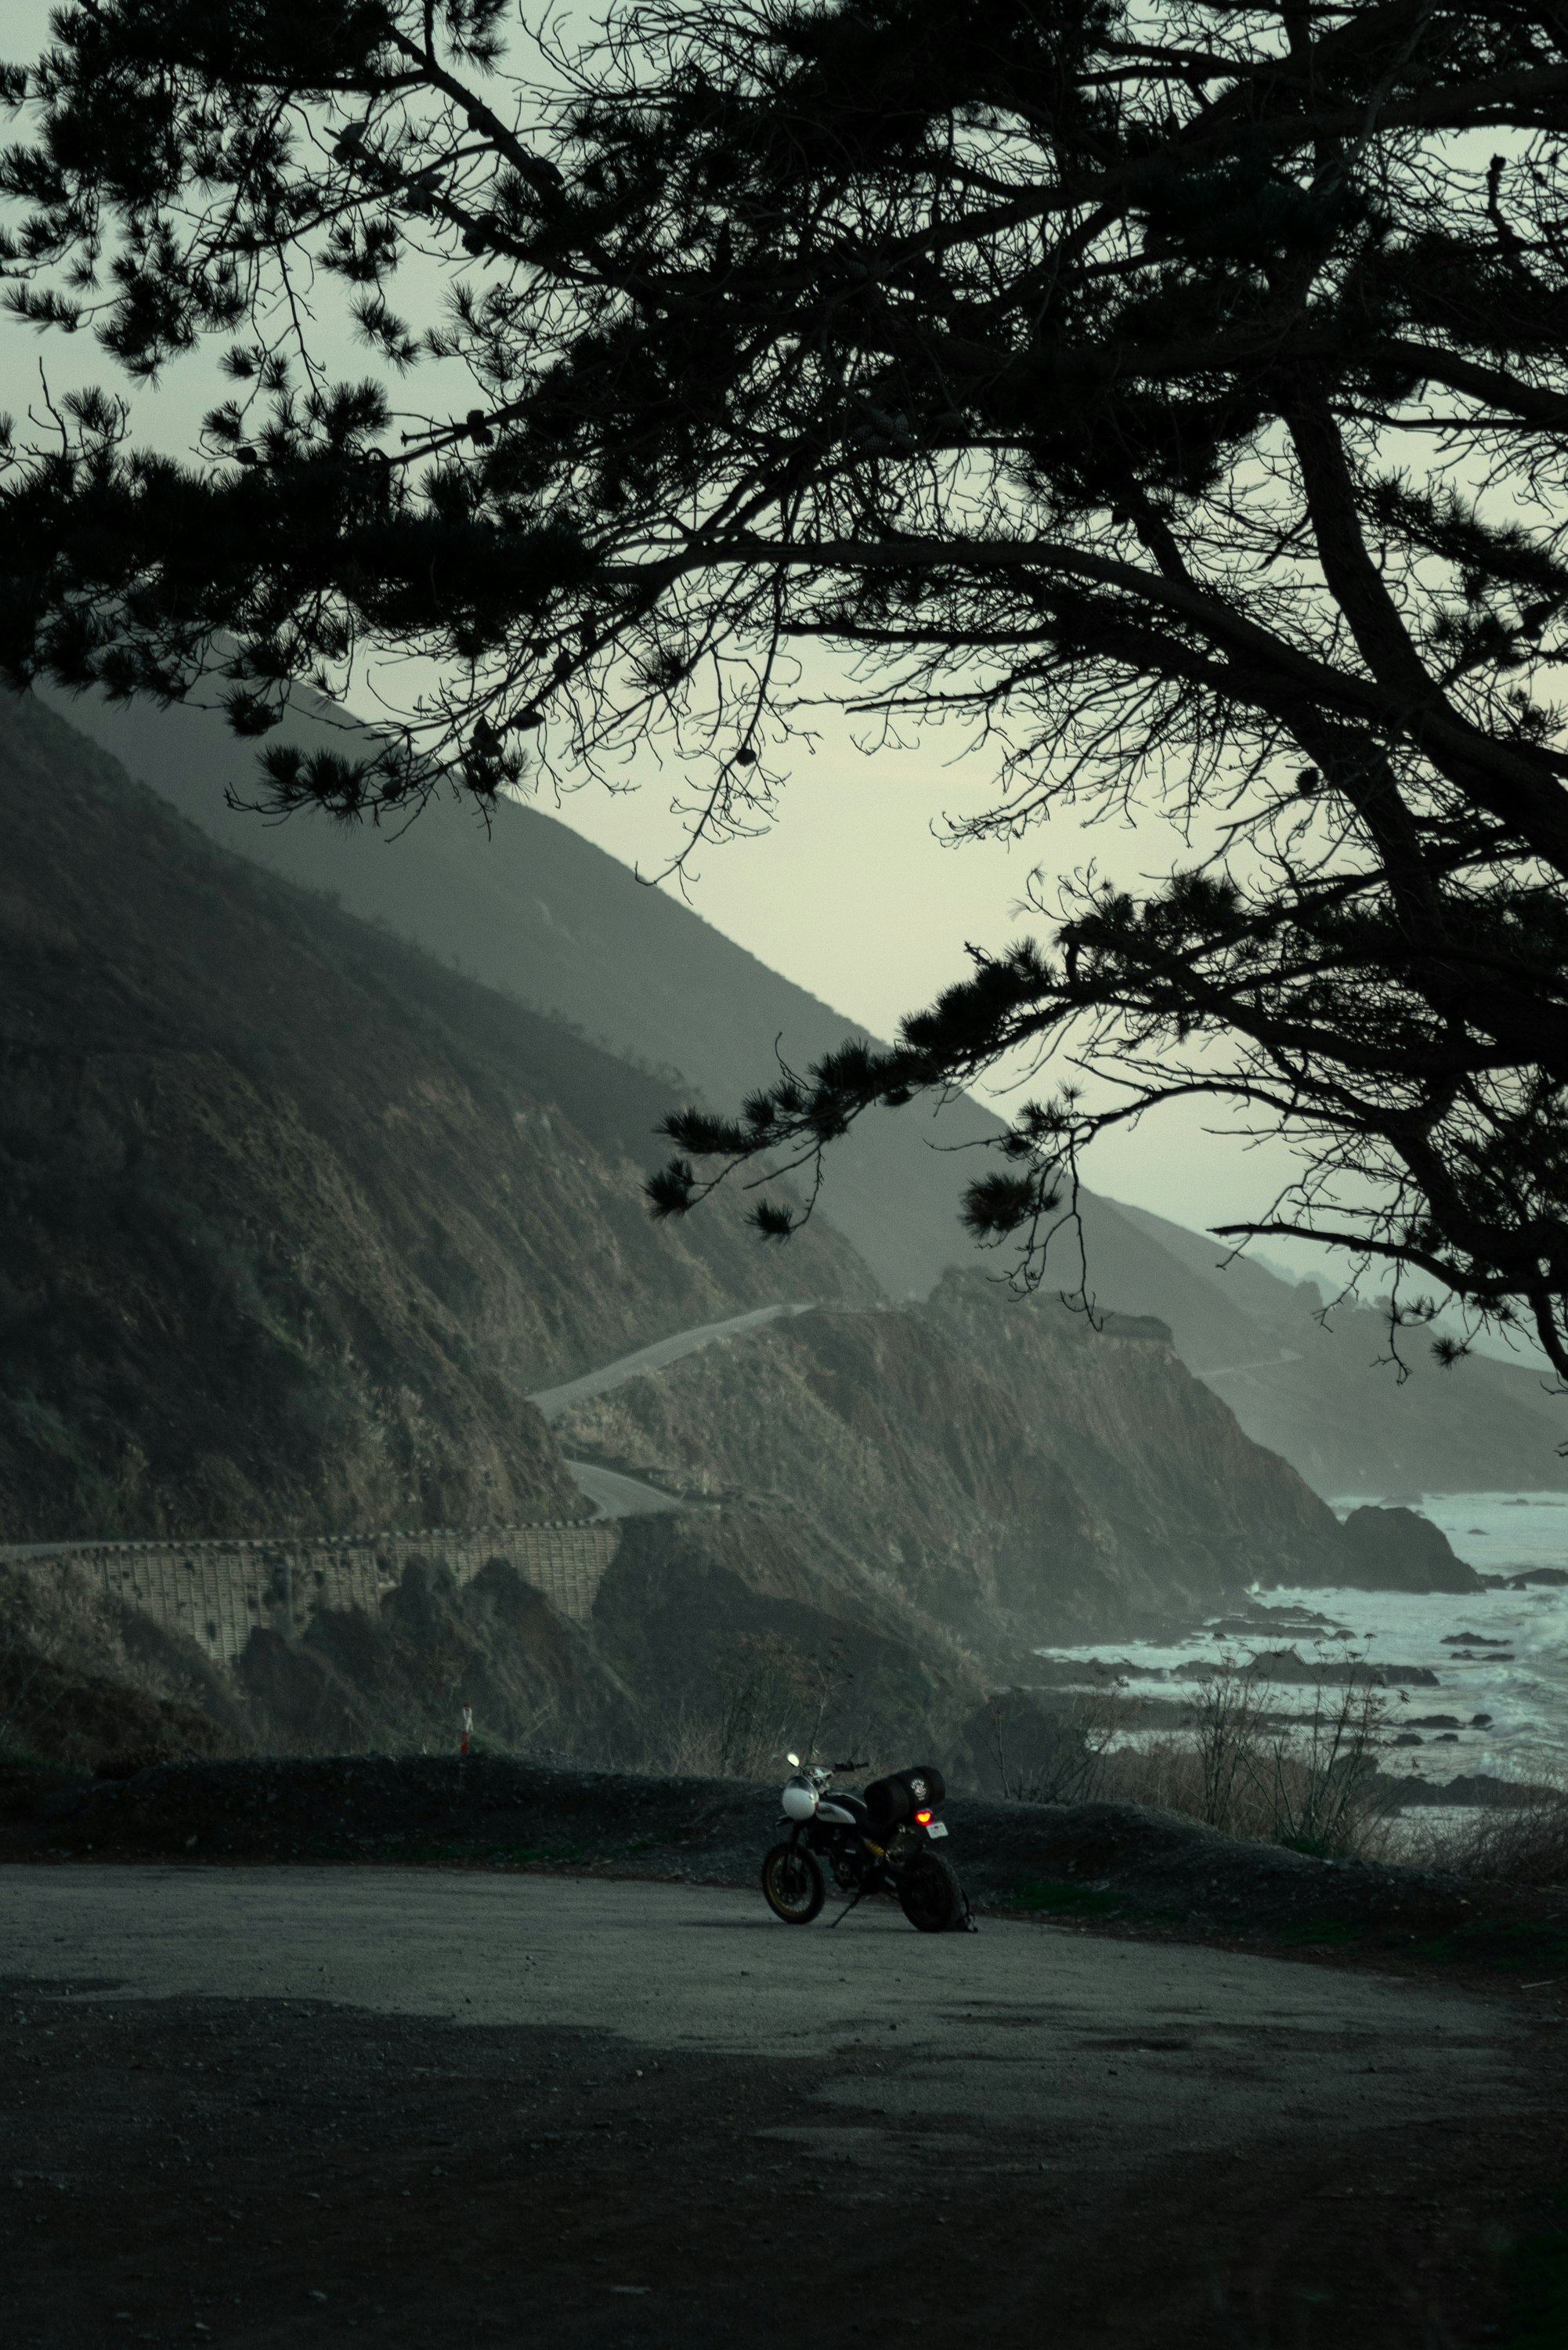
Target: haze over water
(1524, 1686)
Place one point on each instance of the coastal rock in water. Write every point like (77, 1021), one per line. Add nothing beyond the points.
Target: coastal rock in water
(1470, 1788)
(1396, 1550)
(1290, 1668)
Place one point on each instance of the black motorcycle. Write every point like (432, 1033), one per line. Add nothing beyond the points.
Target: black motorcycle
(878, 1842)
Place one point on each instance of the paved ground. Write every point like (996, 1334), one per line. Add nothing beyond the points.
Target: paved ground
(614, 1497)
(553, 1401)
(1119, 2048)
(271, 2108)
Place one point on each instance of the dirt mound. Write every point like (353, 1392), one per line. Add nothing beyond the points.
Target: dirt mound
(1115, 1863)
(84, 1720)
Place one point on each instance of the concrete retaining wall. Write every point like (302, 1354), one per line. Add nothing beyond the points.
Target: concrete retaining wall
(217, 1593)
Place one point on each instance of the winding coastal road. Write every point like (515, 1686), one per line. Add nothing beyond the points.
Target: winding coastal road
(614, 1497)
(612, 1494)
(553, 1401)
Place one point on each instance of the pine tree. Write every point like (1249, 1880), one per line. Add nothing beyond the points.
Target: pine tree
(1176, 397)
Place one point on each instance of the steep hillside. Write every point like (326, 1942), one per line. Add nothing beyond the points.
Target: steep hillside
(541, 915)
(1325, 1393)
(86, 1679)
(531, 909)
(886, 1509)
(293, 1217)
(1008, 1469)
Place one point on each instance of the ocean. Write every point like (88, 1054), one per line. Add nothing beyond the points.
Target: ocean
(1523, 1685)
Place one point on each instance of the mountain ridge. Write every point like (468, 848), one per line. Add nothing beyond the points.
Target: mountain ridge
(295, 1218)
(536, 911)
(544, 916)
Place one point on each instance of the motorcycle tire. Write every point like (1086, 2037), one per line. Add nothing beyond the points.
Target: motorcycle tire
(930, 1895)
(793, 1884)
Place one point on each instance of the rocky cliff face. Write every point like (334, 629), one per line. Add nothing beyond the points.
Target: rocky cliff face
(87, 1679)
(533, 911)
(1320, 1387)
(291, 1218)
(1000, 1465)
(1396, 1550)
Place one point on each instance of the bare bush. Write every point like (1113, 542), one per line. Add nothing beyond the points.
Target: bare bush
(1165, 1772)
(1227, 1733)
(1309, 1783)
(1060, 1756)
(1523, 1842)
(728, 1743)
(1321, 1777)
(765, 1698)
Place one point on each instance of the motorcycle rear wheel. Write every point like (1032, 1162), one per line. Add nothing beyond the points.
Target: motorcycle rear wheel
(930, 1895)
(793, 1884)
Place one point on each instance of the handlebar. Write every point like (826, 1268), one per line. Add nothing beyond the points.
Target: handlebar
(852, 1766)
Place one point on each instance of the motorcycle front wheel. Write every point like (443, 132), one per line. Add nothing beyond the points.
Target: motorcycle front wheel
(793, 1884)
(929, 1896)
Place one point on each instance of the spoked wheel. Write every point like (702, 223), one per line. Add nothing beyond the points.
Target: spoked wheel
(930, 1895)
(793, 1884)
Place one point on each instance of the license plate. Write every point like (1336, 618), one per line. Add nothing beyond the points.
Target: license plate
(936, 1829)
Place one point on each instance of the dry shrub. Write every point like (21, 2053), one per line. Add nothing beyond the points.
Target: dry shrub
(1166, 1772)
(1060, 1756)
(1310, 1783)
(1523, 1842)
(765, 1698)
(707, 1743)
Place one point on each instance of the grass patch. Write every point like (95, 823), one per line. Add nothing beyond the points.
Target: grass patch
(1319, 1931)
(1538, 2318)
(14, 1757)
(1065, 1900)
(1511, 1949)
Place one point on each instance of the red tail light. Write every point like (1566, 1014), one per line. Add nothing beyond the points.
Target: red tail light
(923, 1819)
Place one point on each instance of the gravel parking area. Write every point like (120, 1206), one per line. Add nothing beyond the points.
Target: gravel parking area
(271, 2105)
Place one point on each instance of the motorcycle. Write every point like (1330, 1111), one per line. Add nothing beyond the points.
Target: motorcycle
(878, 1842)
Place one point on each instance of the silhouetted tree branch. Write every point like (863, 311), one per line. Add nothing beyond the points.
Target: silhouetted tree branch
(1175, 400)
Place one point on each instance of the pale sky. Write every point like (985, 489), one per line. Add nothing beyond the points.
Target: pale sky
(855, 895)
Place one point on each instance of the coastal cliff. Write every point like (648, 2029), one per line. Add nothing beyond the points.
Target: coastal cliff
(293, 1217)
(1014, 1471)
